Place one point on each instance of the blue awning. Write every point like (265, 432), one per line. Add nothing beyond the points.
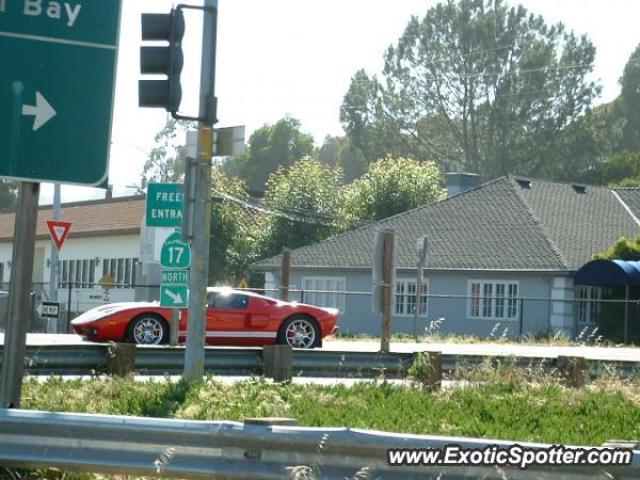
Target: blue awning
(609, 273)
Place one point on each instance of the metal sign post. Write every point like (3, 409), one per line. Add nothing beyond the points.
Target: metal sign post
(57, 74)
(19, 312)
(194, 352)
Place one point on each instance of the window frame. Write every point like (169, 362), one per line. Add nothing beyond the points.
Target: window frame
(485, 298)
(409, 286)
(326, 300)
(588, 304)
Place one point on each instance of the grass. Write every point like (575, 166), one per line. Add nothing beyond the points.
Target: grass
(504, 402)
(505, 407)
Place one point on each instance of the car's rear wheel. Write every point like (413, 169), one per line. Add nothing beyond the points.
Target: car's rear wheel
(299, 331)
(148, 329)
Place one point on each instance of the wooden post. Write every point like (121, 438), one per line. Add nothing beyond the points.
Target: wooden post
(422, 258)
(277, 362)
(387, 288)
(174, 327)
(573, 370)
(285, 274)
(121, 358)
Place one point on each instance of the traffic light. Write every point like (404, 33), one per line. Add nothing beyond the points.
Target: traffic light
(162, 60)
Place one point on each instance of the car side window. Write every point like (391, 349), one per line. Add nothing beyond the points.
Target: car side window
(231, 301)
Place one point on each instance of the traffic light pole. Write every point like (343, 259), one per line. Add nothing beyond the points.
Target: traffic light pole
(196, 324)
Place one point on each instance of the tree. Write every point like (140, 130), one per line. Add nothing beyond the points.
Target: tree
(304, 199)
(338, 152)
(622, 169)
(272, 146)
(630, 102)
(391, 186)
(8, 196)
(166, 160)
(623, 249)
(234, 238)
(475, 85)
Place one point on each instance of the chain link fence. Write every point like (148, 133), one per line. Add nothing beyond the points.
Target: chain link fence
(590, 320)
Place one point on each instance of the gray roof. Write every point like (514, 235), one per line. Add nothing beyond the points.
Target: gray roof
(505, 224)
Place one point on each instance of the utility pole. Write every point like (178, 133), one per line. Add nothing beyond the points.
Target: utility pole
(388, 247)
(285, 274)
(52, 323)
(423, 243)
(199, 275)
(19, 312)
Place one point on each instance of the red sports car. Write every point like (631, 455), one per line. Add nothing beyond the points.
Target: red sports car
(233, 318)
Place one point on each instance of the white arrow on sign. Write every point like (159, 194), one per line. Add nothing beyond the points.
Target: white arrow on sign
(176, 297)
(42, 111)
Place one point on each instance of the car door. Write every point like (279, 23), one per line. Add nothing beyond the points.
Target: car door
(227, 317)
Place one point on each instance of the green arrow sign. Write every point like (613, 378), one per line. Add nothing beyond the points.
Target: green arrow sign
(175, 253)
(164, 204)
(175, 296)
(57, 77)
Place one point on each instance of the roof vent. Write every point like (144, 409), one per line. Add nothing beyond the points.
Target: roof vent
(579, 188)
(524, 182)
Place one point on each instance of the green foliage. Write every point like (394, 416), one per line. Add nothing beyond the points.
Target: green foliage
(306, 191)
(474, 85)
(338, 152)
(235, 231)
(8, 196)
(623, 249)
(499, 407)
(166, 160)
(621, 169)
(630, 102)
(391, 186)
(272, 146)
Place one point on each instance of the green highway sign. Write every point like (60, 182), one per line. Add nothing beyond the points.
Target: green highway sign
(164, 204)
(175, 253)
(57, 79)
(174, 296)
(175, 277)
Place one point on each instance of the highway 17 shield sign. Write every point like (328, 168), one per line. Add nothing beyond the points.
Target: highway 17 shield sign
(57, 78)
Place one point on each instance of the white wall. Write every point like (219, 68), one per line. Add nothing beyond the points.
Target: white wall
(113, 246)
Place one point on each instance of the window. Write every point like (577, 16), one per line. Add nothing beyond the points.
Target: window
(78, 273)
(493, 300)
(121, 270)
(325, 294)
(405, 297)
(588, 300)
(228, 301)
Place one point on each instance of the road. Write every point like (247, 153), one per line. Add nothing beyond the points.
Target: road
(481, 348)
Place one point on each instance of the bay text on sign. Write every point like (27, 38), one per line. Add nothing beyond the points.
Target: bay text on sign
(57, 79)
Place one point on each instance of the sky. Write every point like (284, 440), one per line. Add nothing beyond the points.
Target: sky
(293, 57)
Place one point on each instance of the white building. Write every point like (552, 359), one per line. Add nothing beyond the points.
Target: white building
(103, 246)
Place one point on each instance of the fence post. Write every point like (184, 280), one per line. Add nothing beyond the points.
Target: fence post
(120, 359)
(573, 370)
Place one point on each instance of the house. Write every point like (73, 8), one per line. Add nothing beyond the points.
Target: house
(103, 244)
(501, 259)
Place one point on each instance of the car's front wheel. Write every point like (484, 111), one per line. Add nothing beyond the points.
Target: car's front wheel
(148, 329)
(299, 331)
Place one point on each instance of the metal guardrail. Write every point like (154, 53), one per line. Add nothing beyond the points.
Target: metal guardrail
(90, 359)
(239, 451)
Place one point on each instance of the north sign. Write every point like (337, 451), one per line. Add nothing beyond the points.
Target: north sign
(164, 204)
(57, 79)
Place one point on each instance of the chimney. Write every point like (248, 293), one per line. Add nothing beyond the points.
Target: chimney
(458, 182)
(108, 194)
